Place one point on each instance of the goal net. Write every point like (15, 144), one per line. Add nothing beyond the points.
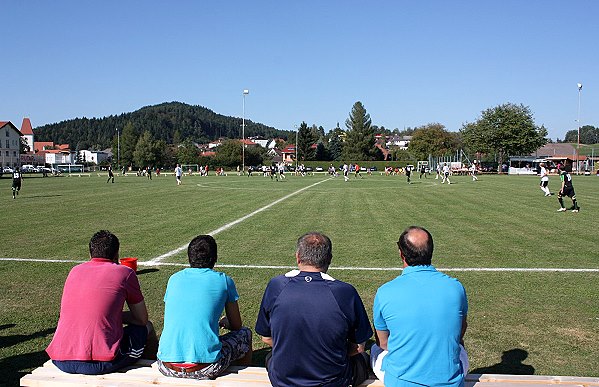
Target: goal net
(70, 168)
(193, 167)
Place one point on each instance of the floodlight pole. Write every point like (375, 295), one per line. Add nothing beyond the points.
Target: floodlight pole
(578, 120)
(118, 148)
(296, 161)
(245, 92)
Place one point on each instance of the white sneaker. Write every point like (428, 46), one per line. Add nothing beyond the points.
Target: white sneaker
(561, 210)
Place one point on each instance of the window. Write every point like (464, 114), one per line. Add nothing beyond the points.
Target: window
(8, 143)
(7, 153)
(7, 135)
(15, 153)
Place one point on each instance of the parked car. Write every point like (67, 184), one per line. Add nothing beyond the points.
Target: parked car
(319, 169)
(7, 170)
(28, 168)
(373, 168)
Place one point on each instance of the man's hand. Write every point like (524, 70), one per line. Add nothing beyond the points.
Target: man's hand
(224, 323)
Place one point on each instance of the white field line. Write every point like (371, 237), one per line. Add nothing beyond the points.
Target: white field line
(347, 268)
(227, 226)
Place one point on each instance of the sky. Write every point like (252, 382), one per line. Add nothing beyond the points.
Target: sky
(409, 62)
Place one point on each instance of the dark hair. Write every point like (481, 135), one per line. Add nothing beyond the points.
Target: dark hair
(416, 252)
(104, 244)
(202, 252)
(315, 249)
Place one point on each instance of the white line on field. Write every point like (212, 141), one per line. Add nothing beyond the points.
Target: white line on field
(349, 268)
(227, 226)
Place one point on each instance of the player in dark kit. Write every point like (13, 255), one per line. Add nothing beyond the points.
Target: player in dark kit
(566, 190)
(17, 179)
(110, 174)
(408, 173)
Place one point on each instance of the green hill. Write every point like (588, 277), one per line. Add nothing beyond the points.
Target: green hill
(191, 121)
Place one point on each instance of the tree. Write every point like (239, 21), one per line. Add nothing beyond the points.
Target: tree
(129, 139)
(335, 148)
(359, 144)
(145, 153)
(432, 139)
(228, 154)
(506, 129)
(588, 135)
(321, 152)
(306, 137)
(187, 152)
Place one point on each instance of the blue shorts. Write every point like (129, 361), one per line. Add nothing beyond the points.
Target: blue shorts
(132, 346)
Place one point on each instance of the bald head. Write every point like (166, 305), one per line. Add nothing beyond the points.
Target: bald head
(416, 246)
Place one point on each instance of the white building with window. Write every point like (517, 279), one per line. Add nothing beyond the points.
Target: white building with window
(95, 157)
(10, 140)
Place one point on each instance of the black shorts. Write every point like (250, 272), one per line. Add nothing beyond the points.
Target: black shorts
(16, 185)
(544, 183)
(568, 191)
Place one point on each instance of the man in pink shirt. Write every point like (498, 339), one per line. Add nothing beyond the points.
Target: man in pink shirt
(90, 338)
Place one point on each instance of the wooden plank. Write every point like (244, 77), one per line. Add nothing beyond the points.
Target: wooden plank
(564, 380)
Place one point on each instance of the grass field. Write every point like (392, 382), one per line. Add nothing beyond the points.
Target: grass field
(550, 318)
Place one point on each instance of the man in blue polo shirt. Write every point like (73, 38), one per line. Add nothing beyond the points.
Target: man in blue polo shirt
(315, 324)
(420, 321)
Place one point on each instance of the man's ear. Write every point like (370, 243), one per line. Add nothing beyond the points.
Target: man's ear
(297, 258)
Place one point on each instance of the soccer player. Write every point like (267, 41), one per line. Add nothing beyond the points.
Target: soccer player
(544, 180)
(408, 173)
(473, 172)
(445, 174)
(17, 179)
(566, 190)
(438, 171)
(110, 174)
(178, 173)
(281, 168)
(345, 172)
(422, 172)
(357, 172)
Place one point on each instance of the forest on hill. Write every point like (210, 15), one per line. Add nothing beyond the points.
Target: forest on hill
(170, 122)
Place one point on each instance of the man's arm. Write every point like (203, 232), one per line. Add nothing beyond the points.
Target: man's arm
(382, 338)
(137, 314)
(232, 321)
(464, 327)
(267, 340)
(354, 349)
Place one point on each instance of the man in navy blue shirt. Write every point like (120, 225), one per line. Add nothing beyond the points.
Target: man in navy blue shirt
(316, 325)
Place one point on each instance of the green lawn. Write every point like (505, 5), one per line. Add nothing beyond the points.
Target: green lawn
(497, 222)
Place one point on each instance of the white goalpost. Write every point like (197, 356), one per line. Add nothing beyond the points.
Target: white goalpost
(190, 168)
(70, 168)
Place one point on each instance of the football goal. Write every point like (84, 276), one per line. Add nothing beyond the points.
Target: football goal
(190, 168)
(70, 168)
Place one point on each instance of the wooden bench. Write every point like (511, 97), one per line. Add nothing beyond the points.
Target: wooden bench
(145, 373)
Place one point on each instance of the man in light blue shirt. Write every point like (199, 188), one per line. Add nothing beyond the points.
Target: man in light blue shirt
(190, 345)
(420, 321)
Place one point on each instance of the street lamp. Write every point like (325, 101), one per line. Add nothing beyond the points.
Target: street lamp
(245, 92)
(296, 133)
(118, 149)
(578, 145)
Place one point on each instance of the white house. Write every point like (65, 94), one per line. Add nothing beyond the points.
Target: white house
(10, 140)
(95, 157)
(57, 157)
